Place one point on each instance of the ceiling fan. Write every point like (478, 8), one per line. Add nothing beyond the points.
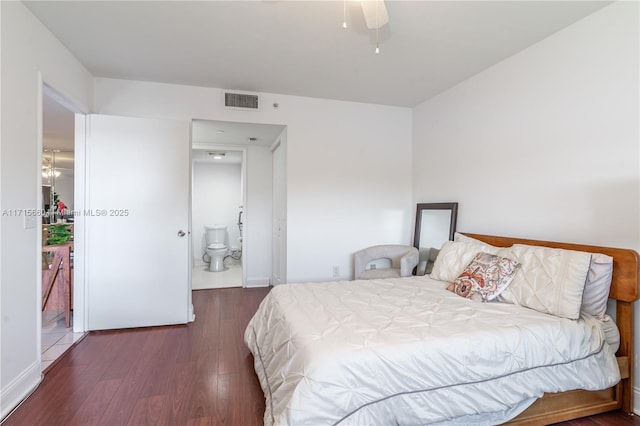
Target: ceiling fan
(375, 16)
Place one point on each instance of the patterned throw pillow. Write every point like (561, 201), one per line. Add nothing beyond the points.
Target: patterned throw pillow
(485, 277)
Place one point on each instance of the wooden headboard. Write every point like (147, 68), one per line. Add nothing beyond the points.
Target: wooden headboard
(624, 288)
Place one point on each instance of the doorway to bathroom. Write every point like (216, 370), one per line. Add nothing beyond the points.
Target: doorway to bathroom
(232, 203)
(217, 217)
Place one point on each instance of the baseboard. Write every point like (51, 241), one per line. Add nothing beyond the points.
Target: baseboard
(258, 282)
(20, 388)
(636, 401)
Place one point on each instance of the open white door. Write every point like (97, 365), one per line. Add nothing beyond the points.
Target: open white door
(137, 242)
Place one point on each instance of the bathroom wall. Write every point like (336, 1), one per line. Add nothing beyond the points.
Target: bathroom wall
(217, 195)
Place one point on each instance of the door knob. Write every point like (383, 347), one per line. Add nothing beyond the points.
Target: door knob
(181, 233)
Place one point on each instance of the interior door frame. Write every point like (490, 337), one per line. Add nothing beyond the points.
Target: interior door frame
(245, 213)
(80, 293)
(79, 311)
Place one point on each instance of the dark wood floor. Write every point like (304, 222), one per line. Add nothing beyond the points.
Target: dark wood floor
(197, 374)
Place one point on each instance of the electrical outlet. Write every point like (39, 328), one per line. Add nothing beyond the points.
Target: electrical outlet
(336, 272)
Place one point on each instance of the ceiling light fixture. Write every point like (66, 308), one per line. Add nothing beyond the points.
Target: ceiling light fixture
(217, 155)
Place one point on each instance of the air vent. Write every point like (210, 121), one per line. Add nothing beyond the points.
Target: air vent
(240, 100)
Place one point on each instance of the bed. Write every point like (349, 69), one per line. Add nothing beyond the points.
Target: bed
(409, 351)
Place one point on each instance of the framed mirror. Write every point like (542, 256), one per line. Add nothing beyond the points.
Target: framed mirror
(435, 224)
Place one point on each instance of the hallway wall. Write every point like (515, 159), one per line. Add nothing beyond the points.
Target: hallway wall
(30, 54)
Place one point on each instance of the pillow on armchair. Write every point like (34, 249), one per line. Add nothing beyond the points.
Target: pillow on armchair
(403, 259)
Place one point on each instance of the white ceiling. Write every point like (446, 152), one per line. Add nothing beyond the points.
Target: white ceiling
(235, 133)
(222, 136)
(299, 47)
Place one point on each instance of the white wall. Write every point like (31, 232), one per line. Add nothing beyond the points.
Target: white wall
(545, 144)
(348, 167)
(27, 50)
(216, 200)
(64, 188)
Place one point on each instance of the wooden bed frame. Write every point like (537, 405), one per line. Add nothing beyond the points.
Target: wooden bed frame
(557, 407)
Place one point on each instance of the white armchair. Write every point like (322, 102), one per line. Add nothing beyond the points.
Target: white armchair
(403, 259)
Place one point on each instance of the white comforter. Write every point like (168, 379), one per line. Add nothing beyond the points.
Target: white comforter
(407, 351)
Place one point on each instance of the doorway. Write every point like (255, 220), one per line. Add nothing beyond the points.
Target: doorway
(249, 223)
(57, 203)
(217, 208)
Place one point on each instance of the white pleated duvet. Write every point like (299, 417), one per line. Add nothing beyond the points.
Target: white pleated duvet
(407, 351)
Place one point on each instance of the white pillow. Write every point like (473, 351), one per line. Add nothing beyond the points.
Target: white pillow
(463, 238)
(454, 256)
(596, 290)
(550, 280)
(597, 287)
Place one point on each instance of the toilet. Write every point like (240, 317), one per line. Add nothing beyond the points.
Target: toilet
(216, 237)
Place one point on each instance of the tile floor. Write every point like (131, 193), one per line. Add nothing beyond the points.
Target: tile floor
(201, 279)
(56, 338)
